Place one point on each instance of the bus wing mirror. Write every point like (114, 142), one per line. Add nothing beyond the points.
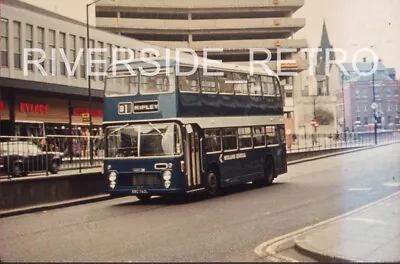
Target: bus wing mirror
(189, 129)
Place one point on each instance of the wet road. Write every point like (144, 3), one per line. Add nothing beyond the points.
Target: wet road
(227, 228)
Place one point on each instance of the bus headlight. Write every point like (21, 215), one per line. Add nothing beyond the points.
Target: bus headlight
(167, 175)
(112, 185)
(167, 184)
(112, 176)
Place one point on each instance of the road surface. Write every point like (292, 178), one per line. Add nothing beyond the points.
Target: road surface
(227, 228)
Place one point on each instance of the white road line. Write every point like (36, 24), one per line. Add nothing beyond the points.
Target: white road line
(268, 249)
(359, 189)
(391, 184)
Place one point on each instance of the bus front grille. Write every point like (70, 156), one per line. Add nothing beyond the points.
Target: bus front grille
(141, 179)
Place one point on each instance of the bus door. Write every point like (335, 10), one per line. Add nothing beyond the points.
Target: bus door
(193, 157)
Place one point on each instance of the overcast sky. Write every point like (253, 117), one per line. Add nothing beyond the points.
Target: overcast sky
(355, 24)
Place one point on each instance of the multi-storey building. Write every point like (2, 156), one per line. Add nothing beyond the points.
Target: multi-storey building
(55, 100)
(355, 97)
(231, 25)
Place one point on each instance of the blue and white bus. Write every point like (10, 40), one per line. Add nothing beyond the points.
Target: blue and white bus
(172, 134)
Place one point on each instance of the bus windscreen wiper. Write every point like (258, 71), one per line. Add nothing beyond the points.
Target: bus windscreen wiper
(118, 129)
(159, 132)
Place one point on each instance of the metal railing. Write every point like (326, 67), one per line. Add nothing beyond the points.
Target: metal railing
(39, 155)
(316, 142)
(21, 156)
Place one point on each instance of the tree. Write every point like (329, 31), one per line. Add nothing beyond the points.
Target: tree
(323, 116)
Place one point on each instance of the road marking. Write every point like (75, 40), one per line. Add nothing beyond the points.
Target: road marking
(359, 189)
(268, 249)
(391, 184)
(367, 220)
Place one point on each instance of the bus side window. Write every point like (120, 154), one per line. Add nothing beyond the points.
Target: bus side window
(254, 85)
(259, 136)
(268, 86)
(277, 87)
(229, 139)
(213, 140)
(224, 83)
(188, 83)
(245, 140)
(272, 135)
(240, 85)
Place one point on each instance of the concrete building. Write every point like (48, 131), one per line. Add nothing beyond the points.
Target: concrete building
(355, 97)
(235, 26)
(316, 98)
(32, 103)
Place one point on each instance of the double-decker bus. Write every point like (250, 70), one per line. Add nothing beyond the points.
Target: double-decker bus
(180, 130)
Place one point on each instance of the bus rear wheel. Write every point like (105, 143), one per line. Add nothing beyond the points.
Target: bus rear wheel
(269, 174)
(144, 197)
(212, 183)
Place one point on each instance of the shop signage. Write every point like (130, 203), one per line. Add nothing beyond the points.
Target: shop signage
(1, 105)
(85, 117)
(78, 111)
(34, 108)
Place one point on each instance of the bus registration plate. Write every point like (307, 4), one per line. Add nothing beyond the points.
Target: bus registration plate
(139, 191)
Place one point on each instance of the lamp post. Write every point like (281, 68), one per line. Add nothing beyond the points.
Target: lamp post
(344, 111)
(374, 102)
(89, 80)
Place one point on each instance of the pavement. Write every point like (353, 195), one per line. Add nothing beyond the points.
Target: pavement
(369, 235)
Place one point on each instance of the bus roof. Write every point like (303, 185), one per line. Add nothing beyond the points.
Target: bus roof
(149, 63)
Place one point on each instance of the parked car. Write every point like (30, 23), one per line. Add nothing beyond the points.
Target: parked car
(21, 157)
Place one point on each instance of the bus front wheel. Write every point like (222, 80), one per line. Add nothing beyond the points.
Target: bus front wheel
(144, 197)
(212, 183)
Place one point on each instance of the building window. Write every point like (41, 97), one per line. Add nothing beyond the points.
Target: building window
(365, 93)
(389, 120)
(29, 43)
(365, 108)
(109, 54)
(4, 42)
(91, 46)
(82, 45)
(357, 93)
(396, 92)
(63, 70)
(358, 108)
(72, 52)
(17, 45)
(40, 43)
(365, 120)
(52, 46)
(101, 65)
(289, 94)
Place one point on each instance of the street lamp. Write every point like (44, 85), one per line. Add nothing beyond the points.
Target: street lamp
(89, 80)
(344, 111)
(374, 103)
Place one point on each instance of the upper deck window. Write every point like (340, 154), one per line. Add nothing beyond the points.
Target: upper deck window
(160, 83)
(121, 85)
(146, 83)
